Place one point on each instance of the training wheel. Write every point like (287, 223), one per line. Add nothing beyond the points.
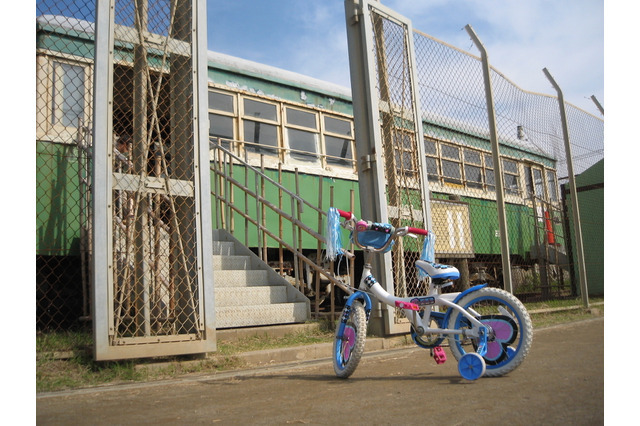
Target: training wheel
(471, 366)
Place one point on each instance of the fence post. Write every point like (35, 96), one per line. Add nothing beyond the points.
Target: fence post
(598, 105)
(102, 260)
(497, 165)
(574, 193)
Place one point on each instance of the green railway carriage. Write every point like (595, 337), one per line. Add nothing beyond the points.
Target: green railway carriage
(300, 131)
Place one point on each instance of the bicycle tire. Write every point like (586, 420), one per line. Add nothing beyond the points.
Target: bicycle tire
(349, 347)
(511, 324)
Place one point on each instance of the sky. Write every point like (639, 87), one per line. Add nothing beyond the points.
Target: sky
(521, 37)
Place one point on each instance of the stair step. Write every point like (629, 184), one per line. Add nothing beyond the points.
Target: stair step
(256, 295)
(224, 248)
(230, 262)
(245, 316)
(247, 292)
(238, 278)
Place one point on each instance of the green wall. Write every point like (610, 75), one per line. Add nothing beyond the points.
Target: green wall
(57, 199)
(590, 187)
(309, 189)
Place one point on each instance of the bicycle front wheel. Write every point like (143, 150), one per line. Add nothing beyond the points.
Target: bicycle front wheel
(348, 345)
(510, 329)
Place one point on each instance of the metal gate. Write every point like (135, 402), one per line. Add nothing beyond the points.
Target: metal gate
(153, 284)
(391, 171)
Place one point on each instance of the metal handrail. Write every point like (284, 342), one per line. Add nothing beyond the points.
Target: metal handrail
(222, 158)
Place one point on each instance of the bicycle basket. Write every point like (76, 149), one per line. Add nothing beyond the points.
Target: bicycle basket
(374, 239)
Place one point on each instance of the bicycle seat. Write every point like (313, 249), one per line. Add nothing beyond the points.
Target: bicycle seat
(439, 273)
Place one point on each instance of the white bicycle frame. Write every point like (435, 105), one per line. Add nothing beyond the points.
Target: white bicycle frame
(368, 284)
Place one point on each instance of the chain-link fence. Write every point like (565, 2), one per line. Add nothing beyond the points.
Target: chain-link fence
(154, 289)
(153, 212)
(64, 72)
(402, 162)
(534, 171)
(497, 168)
(147, 126)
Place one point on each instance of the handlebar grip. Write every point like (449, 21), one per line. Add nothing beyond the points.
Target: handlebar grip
(346, 215)
(418, 231)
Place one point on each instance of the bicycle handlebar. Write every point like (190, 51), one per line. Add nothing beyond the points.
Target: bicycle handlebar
(362, 225)
(346, 215)
(418, 231)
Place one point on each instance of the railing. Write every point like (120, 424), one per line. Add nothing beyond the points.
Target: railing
(253, 208)
(553, 249)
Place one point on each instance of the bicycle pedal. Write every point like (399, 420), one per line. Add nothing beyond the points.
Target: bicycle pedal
(407, 305)
(439, 355)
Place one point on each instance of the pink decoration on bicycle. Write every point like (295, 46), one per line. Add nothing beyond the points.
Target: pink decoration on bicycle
(348, 341)
(407, 305)
(505, 334)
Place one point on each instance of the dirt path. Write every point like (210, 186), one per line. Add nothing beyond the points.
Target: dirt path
(561, 382)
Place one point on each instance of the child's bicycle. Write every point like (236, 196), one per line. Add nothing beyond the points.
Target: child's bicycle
(488, 329)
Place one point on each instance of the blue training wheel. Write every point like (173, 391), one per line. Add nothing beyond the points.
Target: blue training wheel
(471, 366)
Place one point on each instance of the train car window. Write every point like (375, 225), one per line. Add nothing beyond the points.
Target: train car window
(511, 180)
(451, 152)
(303, 145)
(451, 167)
(488, 161)
(491, 179)
(405, 159)
(431, 151)
(337, 126)
(489, 174)
(222, 117)
(221, 102)
(430, 147)
(473, 169)
(539, 183)
(260, 127)
(451, 172)
(301, 118)
(472, 157)
(473, 176)
(302, 135)
(260, 136)
(528, 181)
(220, 126)
(552, 185)
(67, 94)
(260, 110)
(338, 141)
(339, 151)
(433, 174)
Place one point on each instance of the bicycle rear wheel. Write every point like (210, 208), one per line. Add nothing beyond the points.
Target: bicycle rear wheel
(511, 330)
(348, 345)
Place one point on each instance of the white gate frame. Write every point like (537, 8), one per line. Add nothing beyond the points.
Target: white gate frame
(369, 148)
(102, 271)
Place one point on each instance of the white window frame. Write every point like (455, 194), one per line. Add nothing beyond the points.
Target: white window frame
(290, 155)
(271, 159)
(508, 191)
(323, 145)
(233, 115)
(46, 129)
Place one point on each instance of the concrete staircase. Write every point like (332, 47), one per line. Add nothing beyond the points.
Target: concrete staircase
(248, 292)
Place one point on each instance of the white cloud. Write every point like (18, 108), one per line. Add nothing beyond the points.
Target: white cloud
(321, 51)
(522, 37)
